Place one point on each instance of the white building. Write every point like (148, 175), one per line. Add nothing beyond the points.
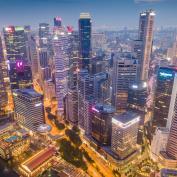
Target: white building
(61, 57)
(159, 141)
(124, 133)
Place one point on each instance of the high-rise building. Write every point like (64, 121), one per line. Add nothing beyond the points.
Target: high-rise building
(61, 48)
(3, 81)
(159, 142)
(44, 64)
(74, 63)
(15, 43)
(57, 22)
(124, 133)
(101, 123)
(99, 80)
(72, 106)
(165, 95)
(172, 123)
(29, 109)
(85, 39)
(20, 75)
(34, 56)
(137, 96)
(18, 64)
(85, 100)
(44, 35)
(146, 25)
(124, 74)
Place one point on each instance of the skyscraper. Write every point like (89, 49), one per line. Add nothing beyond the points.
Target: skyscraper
(85, 39)
(44, 35)
(164, 96)
(124, 74)
(18, 64)
(146, 25)
(29, 109)
(172, 140)
(20, 75)
(61, 57)
(57, 22)
(124, 133)
(101, 123)
(85, 100)
(3, 81)
(15, 42)
(72, 106)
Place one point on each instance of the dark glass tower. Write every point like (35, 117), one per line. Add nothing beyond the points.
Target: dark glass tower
(85, 39)
(57, 22)
(44, 35)
(15, 42)
(163, 95)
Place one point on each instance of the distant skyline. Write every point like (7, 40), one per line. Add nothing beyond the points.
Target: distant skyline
(112, 14)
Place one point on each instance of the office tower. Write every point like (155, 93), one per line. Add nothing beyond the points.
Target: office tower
(28, 108)
(164, 96)
(124, 133)
(44, 35)
(34, 56)
(124, 74)
(172, 53)
(159, 142)
(172, 140)
(44, 64)
(85, 99)
(3, 81)
(85, 39)
(49, 89)
(28, 34)
(146, 25)
(43, 58)
(99, 80)
(137, 96)
(15, 43)
(20, 75)
(101, 123)
(72, 106)
(74, 64)
(61, 48)
(57, 22)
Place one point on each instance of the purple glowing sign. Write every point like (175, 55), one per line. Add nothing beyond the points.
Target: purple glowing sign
(19, 65)
(94, 109)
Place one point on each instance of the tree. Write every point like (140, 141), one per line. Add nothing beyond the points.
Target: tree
(76, 129)
(74, 138)
(48, 109)
(51, 116)
(59, 125)
(86, 155)
(72, 154)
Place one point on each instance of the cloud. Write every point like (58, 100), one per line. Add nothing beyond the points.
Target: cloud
(147, 1)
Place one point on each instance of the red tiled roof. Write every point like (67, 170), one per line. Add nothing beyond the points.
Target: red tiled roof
(40, 158)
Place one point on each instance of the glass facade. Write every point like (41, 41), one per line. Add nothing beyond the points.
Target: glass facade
(165, 80)
(85, 39)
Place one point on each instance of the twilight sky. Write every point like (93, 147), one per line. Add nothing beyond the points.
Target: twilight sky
(105, 13)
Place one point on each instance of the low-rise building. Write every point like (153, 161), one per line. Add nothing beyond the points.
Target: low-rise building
(38, 163)
(13, 146)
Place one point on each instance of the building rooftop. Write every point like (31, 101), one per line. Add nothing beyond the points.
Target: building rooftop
(38, 159)
(28, 92)
(85, 16)
(126, 119)
(4, 126)
(12, 139)
(103, 108)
